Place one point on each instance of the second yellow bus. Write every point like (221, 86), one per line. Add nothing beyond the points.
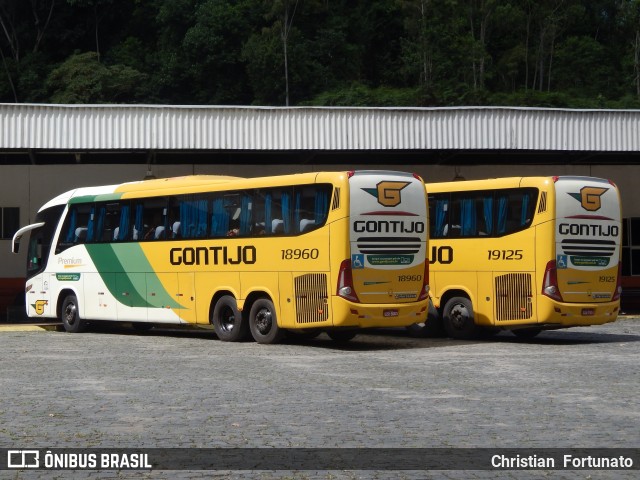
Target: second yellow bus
(523, 254)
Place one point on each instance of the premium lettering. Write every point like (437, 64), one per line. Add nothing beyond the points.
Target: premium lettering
(213, 255)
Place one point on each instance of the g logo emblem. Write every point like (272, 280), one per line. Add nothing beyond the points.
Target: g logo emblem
(387, 192)
(589, 197)
(39, 306)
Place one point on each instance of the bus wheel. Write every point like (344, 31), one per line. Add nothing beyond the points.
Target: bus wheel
(526, 333)
(227, 320)
(431, 327)
(458, 319)
(263, 322)
(70, 316)
(342, 336)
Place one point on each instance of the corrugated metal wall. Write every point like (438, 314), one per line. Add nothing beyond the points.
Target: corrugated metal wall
(133, 127)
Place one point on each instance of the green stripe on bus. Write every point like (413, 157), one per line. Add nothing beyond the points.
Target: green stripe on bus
(104, 197)
(113, 258)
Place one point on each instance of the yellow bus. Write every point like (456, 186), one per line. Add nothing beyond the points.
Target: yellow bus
(523, 254)
(329, 251)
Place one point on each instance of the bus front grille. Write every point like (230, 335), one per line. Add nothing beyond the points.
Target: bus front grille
(311, 298)
(389, 245)
(513, 297)
(589, 248)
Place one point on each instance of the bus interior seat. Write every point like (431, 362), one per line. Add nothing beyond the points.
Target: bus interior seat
(159, 232)
(81, 234)
(306, 224)
(277, 225)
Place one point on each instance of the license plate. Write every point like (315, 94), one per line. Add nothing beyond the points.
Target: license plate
(588, 312)
(390, 313)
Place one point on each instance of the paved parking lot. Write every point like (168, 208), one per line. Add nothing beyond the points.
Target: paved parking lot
(117, 388)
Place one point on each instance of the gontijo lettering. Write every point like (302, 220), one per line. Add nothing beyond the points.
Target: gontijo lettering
(387, 226)
(595, 230)
(216, 255)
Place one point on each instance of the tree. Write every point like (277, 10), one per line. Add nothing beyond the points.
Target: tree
(213, 45)
(82, 78)
(97, 8)
(16, 30)
(630, 23)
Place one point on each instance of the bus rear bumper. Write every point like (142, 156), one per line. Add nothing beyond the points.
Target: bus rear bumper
(368, 315)
(578, 314)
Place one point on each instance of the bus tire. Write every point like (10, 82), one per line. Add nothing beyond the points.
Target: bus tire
(431, 327)
(70, 316)
(342, 336)
(263, 322)
(458, 319)
(227, 320)
(526, 333)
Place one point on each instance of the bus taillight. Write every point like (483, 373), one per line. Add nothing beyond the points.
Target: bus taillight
(550, 283)
(345, 282)
(424, 293)
(618, 291)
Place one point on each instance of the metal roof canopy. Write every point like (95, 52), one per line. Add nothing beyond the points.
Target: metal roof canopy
(435, 135)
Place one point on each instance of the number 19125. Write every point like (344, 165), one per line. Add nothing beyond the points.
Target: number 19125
(505, 255)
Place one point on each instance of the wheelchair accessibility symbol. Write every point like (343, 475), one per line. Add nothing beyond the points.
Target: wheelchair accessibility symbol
(357, 260)
(561, 262)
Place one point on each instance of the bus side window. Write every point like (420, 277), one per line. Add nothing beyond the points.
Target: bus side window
(515, 210)
(154, 213)
(188, 217)
(232, 207)
(486, 216)
(454, 217)
(123, 226)
(246, 203)
(439, 215)
(266, 212)
(219, 217)
(259, 213)
(74, 229)
(312, 207)
(468, 220)
(138, 228)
